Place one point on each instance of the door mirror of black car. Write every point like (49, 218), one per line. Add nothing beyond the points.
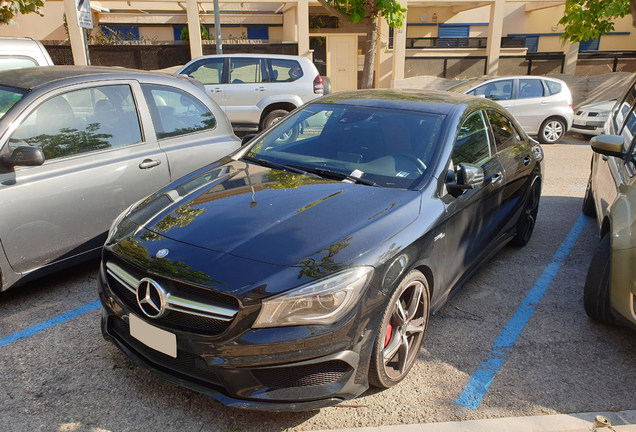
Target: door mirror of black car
(247, 138)
(468, 177)
(24, 156)
(609, 145)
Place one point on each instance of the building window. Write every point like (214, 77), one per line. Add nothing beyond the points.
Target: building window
(590, 45)
(126, 31)
(257, 32)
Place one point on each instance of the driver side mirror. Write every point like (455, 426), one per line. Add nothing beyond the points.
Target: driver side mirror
(609, 145)
(468, 177)
(24, 156)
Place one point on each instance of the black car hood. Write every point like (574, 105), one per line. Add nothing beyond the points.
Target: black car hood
(283, 218)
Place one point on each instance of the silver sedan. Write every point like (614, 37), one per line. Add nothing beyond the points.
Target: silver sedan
(78, 145)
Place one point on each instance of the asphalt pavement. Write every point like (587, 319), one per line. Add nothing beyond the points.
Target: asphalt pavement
(58, 374)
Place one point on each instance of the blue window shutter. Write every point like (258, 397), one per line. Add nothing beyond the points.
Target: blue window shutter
(123, 29)
(257, 32)
(453, 31)
(590, 45)
(532, 43)
(177, 31)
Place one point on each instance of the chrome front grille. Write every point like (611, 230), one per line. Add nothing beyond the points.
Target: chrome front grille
(189, 307)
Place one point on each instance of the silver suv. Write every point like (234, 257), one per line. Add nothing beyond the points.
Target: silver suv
(543, 106)
(22, 52)
(256, 90)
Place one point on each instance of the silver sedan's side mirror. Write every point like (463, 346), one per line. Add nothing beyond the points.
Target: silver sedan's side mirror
(610, 145)
(24, 156)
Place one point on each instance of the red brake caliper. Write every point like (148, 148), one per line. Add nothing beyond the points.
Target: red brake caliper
(387, 336)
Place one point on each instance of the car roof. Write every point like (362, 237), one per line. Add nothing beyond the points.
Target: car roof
(473, 82)
(281, 56)
(35, 77)
(429, 101)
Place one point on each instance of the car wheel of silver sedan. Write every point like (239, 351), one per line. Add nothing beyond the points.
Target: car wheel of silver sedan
(552, 130)
(401, 333)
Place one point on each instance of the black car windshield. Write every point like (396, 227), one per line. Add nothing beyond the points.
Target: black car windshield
(9, 97)
(383, 147)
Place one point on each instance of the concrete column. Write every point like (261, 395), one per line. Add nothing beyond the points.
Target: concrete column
(78, 43)
(495, 31)
(290, 24)
(303, 28)
(194, 28)
(399, 49)
(571, 57)
(383, 57)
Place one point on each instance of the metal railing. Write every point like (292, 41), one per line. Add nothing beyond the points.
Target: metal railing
(466, 42)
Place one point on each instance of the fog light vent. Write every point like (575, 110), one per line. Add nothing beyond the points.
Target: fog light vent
(302, 376)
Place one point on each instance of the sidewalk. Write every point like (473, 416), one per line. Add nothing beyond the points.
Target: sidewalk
(623, 421)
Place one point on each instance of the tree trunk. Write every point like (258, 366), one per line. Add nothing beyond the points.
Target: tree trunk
(369, 55)
(632, 7)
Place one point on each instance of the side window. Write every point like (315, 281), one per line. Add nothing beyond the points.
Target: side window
(81, 121)
(502, 130)
(553, 86)
(472, 145)
(285, 70)
(498, 90)
(620, 115)
(247, 70)
(208, 71)
(175, 112)
(14, 62)
(629, 130)
(530, 88)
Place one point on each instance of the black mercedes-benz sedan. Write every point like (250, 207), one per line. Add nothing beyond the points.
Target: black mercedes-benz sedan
(301, 269)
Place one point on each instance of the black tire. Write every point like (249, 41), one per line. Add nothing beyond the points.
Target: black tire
(551, 131)
(528, 218)
(326, 85)
(400, 340)
(588, 200)
(273, 118)
(596, 295)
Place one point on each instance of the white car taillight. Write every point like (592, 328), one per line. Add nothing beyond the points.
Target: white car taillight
(318, 87)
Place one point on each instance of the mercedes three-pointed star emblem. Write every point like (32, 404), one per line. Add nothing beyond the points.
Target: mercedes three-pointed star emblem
(151, 298)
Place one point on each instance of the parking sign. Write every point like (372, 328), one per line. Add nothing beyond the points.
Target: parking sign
(84, 16)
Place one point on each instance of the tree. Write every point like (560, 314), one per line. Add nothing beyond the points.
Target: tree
(589, 19)
(185, 33)
(367, 12)
(10, 8)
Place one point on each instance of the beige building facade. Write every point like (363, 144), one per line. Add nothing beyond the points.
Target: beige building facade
(336, 46)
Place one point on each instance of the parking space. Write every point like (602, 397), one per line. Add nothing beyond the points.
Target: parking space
(66, 377)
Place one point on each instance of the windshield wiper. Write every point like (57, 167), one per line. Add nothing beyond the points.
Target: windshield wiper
(275, 165)
(323, 172)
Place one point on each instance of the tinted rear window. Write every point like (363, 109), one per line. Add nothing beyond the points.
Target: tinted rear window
(8, 98)
(554, 87)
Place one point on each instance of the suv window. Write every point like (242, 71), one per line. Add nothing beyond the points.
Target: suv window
(248, 70)
(14, 62)
(208, 71)
(498, 90)
(285, 70)
(81, 121)
(530, 88)
(175, 112)
(472, 145)
(553, 86)
(620, 115)
(502, 130)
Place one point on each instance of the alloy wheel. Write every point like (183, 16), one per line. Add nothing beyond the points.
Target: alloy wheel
(553, 131)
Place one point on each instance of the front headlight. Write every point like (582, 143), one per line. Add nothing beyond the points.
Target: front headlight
(322, 302)
(603, 114)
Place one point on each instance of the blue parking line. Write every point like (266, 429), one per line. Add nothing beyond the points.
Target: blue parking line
(30, 331)
(482, 378)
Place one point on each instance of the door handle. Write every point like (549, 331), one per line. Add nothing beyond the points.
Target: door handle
(506, 106)
(496, 178)
(545, 102)
(261, 89)
(149, 163)
(217, 90)
(526, 160)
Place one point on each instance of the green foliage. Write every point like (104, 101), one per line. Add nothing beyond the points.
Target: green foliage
(10, 8)
(357, 10)
(185, 33)
(68, 142)
(589, 19)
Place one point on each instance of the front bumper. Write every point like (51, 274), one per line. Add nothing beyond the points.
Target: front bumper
(587, 127)
(296, 368)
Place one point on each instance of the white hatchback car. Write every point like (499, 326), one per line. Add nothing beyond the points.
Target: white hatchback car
(256, 90)
(590, 119)
(543, 106)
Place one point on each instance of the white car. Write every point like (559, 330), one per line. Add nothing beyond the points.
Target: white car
(257, 90)
(543, 106)
(589, 120)
(22, 52)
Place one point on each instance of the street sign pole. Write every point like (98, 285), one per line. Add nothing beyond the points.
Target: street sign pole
(84, 21)
(217, 28)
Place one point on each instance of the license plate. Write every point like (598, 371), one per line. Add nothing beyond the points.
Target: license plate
(156, 338)
(580, 122)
